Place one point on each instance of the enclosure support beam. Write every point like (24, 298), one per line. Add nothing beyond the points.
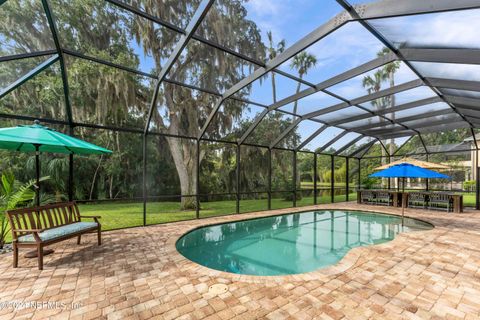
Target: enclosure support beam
(285, 132)
(383, 147)
(442, 55)
(401, 107)
(197, 19)
(269, 179)
(423, 142)
(426, 180)
(401, 146)
(404, 8)
(474, 138)
(365, 146)
(331, 142)
(295, 178)
(455, 84)
(347, 177)
(29, 75)
(348, 145)
(332, 178)
(27, 55)
(313, 136)
(366, 149)
(389, 180)
(197, 182)
(394, 8)
(152, 76)
(369, 97)
(477, 182)
(406, 119)
(66, 93)
(253, 126)
(427, 127)
(144, 185)
(177, 29)
(375, 63)
(311, 38)
(58, 47)
(237, 164)
(70, 170)
(315, 173)
(359, 181)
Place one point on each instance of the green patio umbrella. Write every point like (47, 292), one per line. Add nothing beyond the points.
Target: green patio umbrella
(37, 138)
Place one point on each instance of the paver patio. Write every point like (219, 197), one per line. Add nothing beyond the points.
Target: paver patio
(137, 274)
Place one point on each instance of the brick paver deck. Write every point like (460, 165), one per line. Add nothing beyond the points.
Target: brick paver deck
(137, 274)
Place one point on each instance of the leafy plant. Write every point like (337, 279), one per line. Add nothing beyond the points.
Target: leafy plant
(368, 183)
(14, 194)
(469, 185)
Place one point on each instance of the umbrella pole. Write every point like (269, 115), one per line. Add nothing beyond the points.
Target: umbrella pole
(37, 173)
(33, 253)
(404, 198)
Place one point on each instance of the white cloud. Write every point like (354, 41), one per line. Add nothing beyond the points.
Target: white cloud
(449, 70)
(449, 29)
(267, 14)
(264, 7)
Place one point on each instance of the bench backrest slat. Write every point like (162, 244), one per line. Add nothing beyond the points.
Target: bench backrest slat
(64, 215)
(43, 217)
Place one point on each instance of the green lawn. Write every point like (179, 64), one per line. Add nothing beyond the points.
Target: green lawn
(127, 214)
(121, 215)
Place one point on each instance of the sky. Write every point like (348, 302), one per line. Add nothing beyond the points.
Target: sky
(348, 47)
(351, 46)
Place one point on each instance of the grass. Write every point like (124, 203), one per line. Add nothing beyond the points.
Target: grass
(121, 215)
(116, 215)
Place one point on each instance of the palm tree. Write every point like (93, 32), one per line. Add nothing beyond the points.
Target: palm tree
(273, 50)
(373, 83)
(389, 71)
(303, 62)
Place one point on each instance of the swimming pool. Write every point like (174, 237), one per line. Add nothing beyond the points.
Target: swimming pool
(292, 243)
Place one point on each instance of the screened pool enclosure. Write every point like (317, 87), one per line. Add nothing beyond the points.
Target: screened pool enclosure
(226, 106)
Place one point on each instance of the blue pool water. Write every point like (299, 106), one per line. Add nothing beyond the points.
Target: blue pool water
(291, 243)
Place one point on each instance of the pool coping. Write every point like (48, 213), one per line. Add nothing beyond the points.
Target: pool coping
(324, 274)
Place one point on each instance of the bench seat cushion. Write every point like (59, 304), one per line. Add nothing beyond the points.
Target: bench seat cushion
(58, 232)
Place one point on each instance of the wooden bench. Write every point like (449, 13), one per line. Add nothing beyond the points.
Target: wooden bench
(41, 226)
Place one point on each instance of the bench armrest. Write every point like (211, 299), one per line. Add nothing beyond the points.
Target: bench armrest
(95, 218)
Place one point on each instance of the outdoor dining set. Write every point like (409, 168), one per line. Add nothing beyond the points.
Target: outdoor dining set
(439, 200)
(407, 169)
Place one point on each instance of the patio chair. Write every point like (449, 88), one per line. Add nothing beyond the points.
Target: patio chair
(416, 200)
(384, 198)
(440, 201)
(367, 197)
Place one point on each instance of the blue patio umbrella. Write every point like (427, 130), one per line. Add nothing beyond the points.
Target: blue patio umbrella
(407, 170)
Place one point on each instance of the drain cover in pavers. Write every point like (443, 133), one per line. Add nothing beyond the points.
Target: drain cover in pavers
(218, 288)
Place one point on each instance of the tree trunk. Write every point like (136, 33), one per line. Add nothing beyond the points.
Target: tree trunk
(274, 88)
(110, 189)
(183, 154)
(392, 105)
(295, 104)
(95, 177)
